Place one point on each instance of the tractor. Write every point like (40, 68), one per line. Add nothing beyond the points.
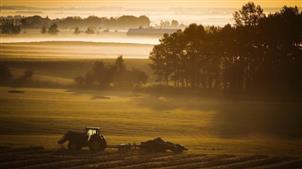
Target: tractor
(91, 137)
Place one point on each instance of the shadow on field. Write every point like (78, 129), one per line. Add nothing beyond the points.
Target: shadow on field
(237, 118)
(165, 102)
(269, 119)
(157, 103)
(92, 93)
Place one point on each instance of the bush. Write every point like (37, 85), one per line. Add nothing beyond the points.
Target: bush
(10, 27)
(5, 74)
(53, 29)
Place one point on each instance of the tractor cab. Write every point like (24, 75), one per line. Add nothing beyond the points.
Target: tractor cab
(90, 131)
(96, 141)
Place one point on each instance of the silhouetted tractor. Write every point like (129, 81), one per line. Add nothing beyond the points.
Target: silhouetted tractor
(91, 137)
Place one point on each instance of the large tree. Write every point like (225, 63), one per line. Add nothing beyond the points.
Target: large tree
(248, 15)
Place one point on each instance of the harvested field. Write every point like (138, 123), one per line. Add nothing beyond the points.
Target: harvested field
(40, 116)
(38, 157)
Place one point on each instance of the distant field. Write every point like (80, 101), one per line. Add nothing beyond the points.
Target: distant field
(41, 116)
(72, 50)
(61, 72)
(57, 63)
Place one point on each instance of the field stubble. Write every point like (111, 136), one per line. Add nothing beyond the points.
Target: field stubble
(42, 116)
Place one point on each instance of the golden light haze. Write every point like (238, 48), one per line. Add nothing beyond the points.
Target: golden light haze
(150, 3)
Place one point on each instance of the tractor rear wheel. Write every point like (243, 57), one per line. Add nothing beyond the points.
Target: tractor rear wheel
(97, 143)
(73, 146)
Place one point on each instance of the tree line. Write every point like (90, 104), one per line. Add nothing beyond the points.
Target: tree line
(116, 75)
(259, 54)
(37, 22)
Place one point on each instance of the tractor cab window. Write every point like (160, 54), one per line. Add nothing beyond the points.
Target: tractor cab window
(91, 132)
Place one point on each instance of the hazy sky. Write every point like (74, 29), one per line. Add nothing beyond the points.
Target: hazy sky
(149, 3)
(208, 12)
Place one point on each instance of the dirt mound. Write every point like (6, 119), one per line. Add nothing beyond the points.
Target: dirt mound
(158, 145)
(16, 91)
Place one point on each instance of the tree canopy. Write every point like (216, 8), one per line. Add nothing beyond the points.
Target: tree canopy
(8, 26)
(53, 29)
(258, 55)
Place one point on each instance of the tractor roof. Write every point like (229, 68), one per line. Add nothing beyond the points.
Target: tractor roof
(92, 128)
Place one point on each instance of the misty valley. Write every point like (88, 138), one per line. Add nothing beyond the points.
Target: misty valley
(147, 87)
